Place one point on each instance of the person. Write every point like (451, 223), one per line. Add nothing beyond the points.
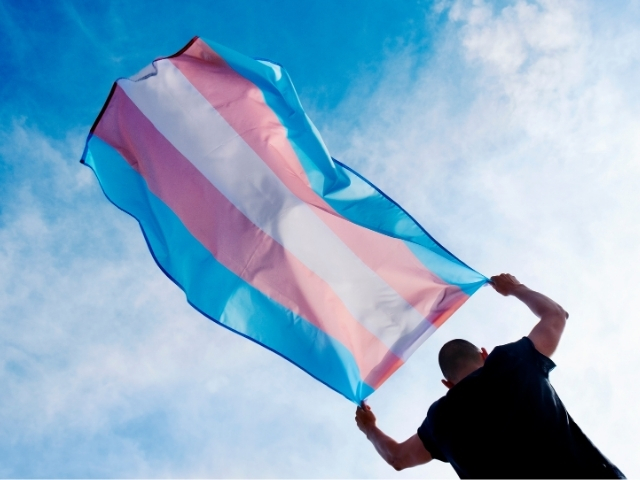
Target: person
(500, 418)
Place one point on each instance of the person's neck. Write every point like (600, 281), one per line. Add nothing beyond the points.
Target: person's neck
(468, 371)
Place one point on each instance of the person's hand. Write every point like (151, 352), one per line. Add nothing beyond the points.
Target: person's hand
(365, 419)
(505, 284)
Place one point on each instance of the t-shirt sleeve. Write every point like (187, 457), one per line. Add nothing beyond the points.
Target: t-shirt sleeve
(425, 433)
(543, 362)
(521, 352)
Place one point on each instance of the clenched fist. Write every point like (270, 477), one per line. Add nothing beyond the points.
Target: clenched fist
(505, 283)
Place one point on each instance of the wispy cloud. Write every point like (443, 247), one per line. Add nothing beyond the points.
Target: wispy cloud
(518, 147)
(77, 20)
(106, 370)
(515, 143)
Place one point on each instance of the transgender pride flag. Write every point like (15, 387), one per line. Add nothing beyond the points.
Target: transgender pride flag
(245, 210)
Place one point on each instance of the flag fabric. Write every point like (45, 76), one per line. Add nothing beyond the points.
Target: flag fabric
(244, 209)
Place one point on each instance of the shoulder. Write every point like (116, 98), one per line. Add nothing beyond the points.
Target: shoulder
(520, 353)
(434, 411)
(426, 430)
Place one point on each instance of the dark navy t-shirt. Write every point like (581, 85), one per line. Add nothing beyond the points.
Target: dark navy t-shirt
(505, 420)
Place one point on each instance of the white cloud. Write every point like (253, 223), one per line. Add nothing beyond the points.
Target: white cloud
(516, 145)
(108, 372)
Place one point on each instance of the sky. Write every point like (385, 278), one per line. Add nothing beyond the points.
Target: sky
(509, 129)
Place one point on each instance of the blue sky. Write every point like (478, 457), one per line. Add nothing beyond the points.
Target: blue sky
(509, 129)
(64, 53)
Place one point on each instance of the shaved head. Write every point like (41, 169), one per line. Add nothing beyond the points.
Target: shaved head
(457, 357)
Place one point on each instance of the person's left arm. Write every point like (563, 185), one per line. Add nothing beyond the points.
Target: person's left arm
(403, 455)
(553, 318)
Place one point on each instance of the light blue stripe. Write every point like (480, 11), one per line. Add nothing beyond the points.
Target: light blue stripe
(346, 191)
(214, 290)
(467, 279)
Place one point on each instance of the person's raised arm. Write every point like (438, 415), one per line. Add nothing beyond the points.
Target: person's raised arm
(399, 455)
(547, 332)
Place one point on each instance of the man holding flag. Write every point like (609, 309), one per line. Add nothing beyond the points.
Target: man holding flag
(501, 418)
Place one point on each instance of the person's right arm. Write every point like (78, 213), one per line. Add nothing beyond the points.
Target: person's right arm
(547, 332)
(409, 453)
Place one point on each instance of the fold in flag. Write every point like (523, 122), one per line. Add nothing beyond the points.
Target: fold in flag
(245, 210)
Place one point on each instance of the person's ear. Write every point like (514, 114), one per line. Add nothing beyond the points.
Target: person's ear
(483, 353)
(447, 383)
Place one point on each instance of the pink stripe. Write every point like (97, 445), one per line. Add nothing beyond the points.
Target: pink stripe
(242, 105)
(232, 239)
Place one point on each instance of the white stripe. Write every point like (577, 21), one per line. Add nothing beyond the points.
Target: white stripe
(185, 118)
